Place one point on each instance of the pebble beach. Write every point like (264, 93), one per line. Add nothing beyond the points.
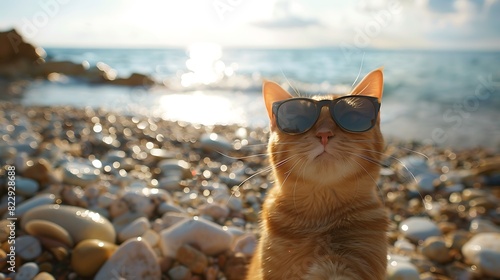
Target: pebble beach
(100, 195)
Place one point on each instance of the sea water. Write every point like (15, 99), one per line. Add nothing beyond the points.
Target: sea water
(441, 97)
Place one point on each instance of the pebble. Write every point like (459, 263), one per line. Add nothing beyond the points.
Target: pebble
(135, 229)
(418, 228)
(27, 271)
(179, 272)
(483, 250)
(435, 249)
(39, 171)
(166, 207)
(44, 276)
(214, 142)
(404, 246)
(457, 239)
(74, 196)
(425, 182)
(33, 202)
(80, 173)
(454, 188)
(171, 218)
(470, 194)
(89, 256)
(25, 186)
(5, 229)
(235, 204)
(193, 259)
(162, 154)
(235, 267)
(50, 230)
(195, 232)
(122, 221)
(113, 156)
(215, 211)
(28, 247)
(412, 166)
(245, 245)
(151, 237)
(3, 259)
(170, 183)
(171, 167)
(481, 225)
(105, 200)
(133, 259)
(400, 268)
(118, 207)
(139, 202)
(80, 223)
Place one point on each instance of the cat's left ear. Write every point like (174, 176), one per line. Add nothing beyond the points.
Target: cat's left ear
(273, 92)
(371, 85)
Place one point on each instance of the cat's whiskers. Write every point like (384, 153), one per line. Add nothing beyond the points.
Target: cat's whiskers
(398, 160)
(265, 144)
(264, 154)
(369, 159)
(250, 156)
(371, 177)
(415, 152)
(359, 72)
(283, 162)
(289, 83)
(364, 88)
(295, 185)
(259, 172)
(361, 140)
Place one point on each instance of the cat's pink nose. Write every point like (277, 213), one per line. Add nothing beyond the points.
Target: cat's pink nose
(324, 136)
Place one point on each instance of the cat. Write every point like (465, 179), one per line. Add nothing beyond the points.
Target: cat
(323, 219)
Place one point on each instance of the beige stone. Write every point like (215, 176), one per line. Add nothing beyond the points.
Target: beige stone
(80, 223)
(134, 259)
(89, 256)
(49, 230)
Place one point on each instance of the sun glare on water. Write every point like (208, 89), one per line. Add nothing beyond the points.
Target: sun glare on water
(199, 107)
(206, 106)
(205, 65)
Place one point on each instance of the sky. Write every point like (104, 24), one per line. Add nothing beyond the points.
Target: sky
(386, 24)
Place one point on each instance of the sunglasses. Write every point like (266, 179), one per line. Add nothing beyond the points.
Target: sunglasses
(351, 113)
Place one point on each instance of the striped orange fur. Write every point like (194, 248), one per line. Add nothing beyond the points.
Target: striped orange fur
(323, 218)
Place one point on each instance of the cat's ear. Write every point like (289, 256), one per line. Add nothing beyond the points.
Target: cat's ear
(371, 85)
(273, 92)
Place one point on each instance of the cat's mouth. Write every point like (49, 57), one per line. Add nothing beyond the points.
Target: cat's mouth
(323, 155)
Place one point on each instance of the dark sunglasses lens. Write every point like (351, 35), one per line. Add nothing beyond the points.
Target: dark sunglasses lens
(355, 114)
(296, 116)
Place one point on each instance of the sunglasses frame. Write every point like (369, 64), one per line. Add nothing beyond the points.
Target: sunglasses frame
(330, 104)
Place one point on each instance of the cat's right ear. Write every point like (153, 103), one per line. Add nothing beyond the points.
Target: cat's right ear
(273, 92)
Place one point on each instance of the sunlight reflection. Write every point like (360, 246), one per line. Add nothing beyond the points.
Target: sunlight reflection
(205, 65)
(199, 107)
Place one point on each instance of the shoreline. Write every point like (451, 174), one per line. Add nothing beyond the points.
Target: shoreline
(151, 178)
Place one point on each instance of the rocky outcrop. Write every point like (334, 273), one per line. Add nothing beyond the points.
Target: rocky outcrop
(135, 79)
(63, 67)
(21, 60)
(14, 48)
(17, 57)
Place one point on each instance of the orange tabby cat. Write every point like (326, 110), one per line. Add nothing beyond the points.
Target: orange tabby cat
(323, 218)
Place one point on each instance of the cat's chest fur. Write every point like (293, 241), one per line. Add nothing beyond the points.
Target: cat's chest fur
(330, 244)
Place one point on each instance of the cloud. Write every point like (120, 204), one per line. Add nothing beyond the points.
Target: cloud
(286, 15)
(462, 23)
(438, 6)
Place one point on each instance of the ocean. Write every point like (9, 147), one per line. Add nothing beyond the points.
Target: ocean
(446, 98)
